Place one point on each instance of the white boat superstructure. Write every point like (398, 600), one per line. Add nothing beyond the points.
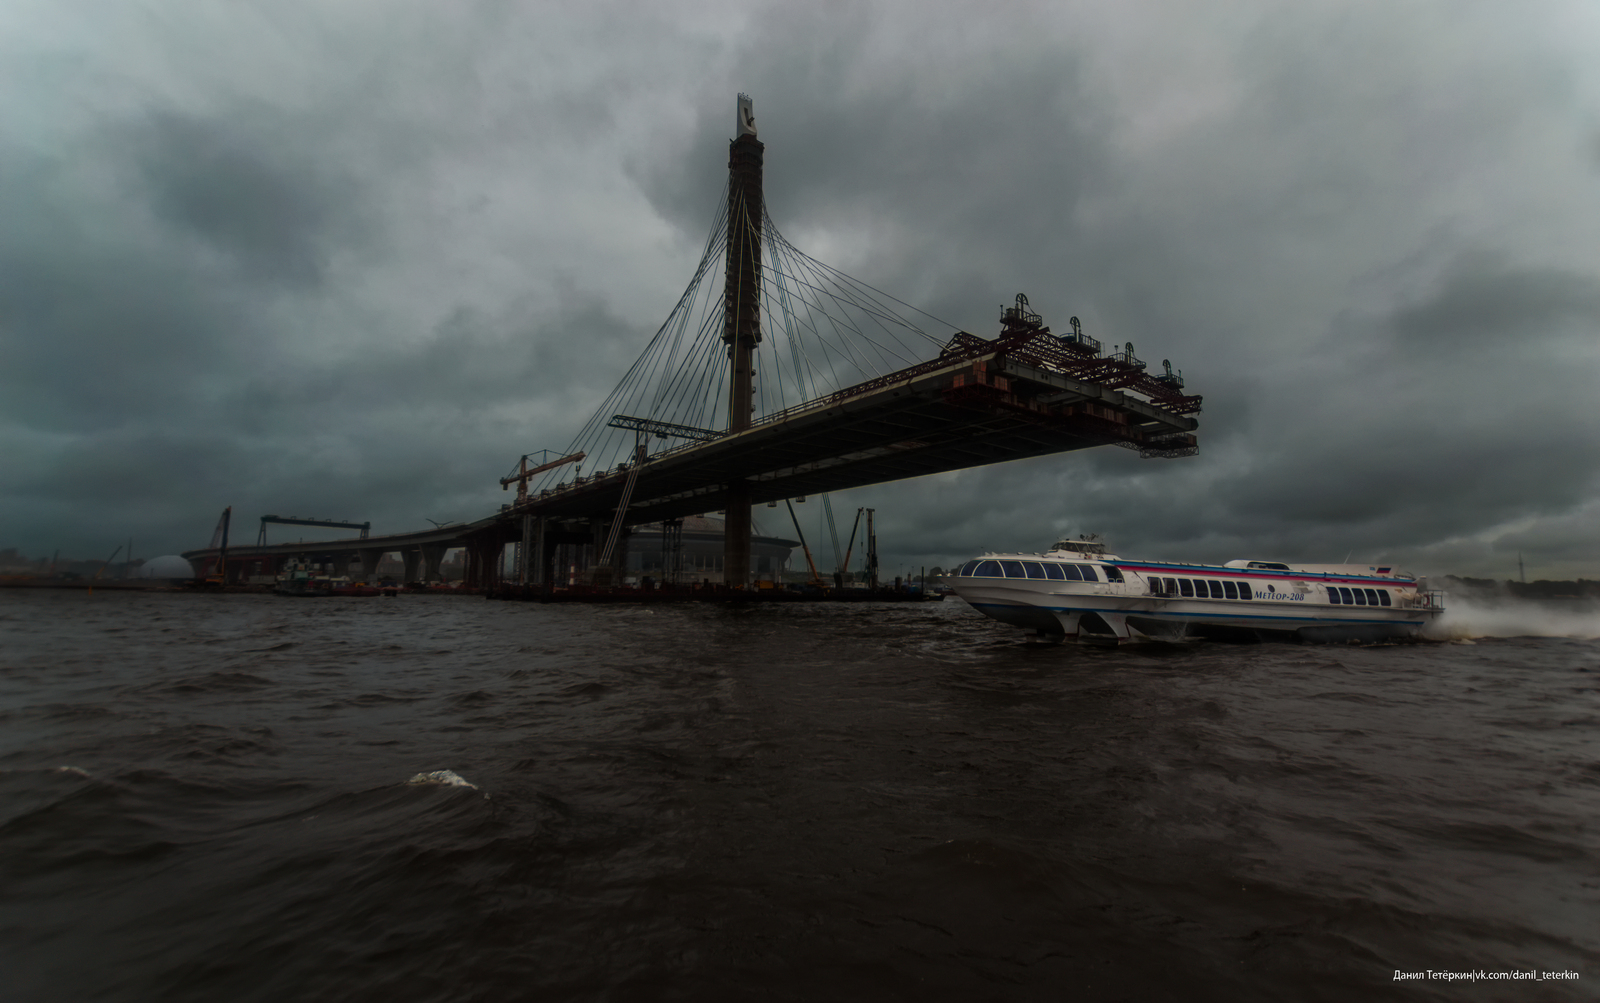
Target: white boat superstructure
(1078, 590)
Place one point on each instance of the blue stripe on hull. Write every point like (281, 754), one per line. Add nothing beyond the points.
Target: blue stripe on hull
(1236, 619)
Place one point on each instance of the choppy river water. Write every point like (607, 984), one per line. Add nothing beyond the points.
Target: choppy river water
(211, 798)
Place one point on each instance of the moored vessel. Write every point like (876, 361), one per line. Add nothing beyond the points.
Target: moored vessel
(1078, 590)
(299, 579)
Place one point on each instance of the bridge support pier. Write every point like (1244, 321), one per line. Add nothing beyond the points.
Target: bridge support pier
(413, 559)
(432, 557)
(736, 537)
(484, 556)
(599, 529)
(369, 563)
(525, 552)
(533, 551)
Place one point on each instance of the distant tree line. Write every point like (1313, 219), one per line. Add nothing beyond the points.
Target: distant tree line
(1582, 588)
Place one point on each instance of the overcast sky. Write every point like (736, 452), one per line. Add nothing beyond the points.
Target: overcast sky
(350, 260)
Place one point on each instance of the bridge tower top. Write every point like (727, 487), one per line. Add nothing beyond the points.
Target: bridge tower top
(741, 311)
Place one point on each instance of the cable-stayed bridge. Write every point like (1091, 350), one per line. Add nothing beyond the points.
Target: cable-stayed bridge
(790, 378)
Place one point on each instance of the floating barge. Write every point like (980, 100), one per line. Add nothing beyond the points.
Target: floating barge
(712, 594)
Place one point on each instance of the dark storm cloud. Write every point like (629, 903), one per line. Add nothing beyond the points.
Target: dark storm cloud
(248, 189)
(359, 265)
(1480, 379)
(390, 434)
(92, 318)
(137, 268)
(935, 175)
(1486, 304)
(188, 316)
(1453, 414)
(1374, 382)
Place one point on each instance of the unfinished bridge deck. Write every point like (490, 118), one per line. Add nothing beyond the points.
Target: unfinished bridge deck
(946, 415)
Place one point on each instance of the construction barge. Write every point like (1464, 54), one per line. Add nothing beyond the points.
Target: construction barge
(704, 593)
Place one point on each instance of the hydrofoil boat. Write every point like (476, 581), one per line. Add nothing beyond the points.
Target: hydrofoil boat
(1077, 590)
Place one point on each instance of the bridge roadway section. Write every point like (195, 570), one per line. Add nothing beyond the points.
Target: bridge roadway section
(422, 552)
(971, 410)
(991, 402)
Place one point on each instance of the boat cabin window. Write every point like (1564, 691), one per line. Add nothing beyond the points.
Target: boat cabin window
(1013, 569)
(1087, 571)
(1333, 595)
(1372, 596)
(1383, 597)
(968, 568)
(1113, 574)
(988, 569)
(1034, 569)
(1069, 572)
(1185, 587)
(1361, 596)
(1246, 590)
(1052, 570)
(1216, 589)
(1230, 590)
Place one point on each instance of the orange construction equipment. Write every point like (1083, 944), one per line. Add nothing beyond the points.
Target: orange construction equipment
(524, 472)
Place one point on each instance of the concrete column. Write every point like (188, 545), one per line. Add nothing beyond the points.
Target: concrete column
(369, 563)
(533, 550)
(736, 541)
(432, 557)
(599, 529)
(525, 550)
(413, 558)
(483, 562)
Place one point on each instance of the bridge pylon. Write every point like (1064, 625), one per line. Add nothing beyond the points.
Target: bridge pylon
(741, 327)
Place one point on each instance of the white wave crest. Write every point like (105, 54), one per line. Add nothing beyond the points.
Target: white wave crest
(1477, 616)
(443, 778)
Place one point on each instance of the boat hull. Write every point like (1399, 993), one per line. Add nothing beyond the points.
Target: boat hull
(1126, 620)
(1127, 604)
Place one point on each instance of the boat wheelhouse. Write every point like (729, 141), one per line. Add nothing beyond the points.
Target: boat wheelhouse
(1078, 590)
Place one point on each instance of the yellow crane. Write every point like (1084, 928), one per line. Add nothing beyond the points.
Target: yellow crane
(524, 472)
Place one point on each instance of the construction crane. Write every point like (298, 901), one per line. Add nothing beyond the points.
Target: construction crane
(524, 472)
(844, 566)
(663, 429)
(816, 579)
